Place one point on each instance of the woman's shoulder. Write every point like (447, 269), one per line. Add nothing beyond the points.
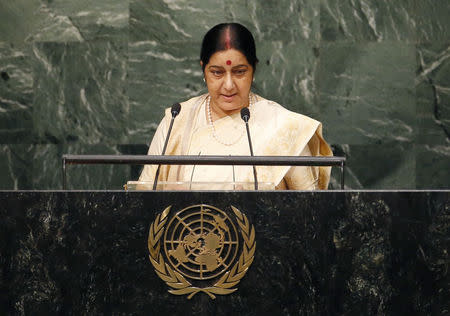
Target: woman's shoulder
(188, 105)
(273, 110)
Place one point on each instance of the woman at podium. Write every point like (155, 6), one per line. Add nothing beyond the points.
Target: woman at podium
(211, 124)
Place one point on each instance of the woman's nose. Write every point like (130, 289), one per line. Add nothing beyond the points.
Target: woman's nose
(228, 83)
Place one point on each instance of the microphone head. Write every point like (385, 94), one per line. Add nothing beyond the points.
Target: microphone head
(245, 114)
(176, 108)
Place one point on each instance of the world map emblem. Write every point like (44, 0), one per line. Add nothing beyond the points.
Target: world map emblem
(201, 248)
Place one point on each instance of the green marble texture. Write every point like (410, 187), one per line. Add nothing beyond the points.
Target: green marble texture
(377, 21)
(365, 88)
(95, 76)
(80, 94)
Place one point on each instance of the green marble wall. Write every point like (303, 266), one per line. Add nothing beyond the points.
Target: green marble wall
(94, 77)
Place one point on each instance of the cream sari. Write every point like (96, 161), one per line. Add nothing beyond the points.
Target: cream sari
(275, 131)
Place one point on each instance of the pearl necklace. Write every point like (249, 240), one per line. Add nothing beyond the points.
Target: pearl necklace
(211, 123)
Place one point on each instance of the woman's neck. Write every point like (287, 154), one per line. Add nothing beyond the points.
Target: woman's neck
(217, 113)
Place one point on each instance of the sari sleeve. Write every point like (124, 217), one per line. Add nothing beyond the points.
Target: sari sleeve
(156, 147)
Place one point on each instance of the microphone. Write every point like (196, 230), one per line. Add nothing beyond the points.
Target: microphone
(175, 110)
(245, 115)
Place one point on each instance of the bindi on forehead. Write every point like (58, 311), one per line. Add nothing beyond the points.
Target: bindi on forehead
(228, 62)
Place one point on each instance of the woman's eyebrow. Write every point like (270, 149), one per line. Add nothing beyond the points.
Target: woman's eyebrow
(221, 67)
(240, 66)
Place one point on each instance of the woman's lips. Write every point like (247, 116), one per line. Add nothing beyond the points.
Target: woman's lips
(228, 97)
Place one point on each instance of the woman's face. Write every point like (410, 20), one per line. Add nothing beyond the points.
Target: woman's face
(229, 77)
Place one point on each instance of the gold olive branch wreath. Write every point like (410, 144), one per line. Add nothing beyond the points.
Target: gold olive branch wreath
(178, 282)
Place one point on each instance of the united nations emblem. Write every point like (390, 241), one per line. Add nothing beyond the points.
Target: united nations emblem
(201, 249)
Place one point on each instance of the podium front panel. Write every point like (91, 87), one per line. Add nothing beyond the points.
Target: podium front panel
(332, 252)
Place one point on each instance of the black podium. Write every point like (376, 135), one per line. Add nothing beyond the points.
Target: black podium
(316, 253)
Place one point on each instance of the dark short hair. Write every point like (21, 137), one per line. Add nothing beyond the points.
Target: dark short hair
(225, 36)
